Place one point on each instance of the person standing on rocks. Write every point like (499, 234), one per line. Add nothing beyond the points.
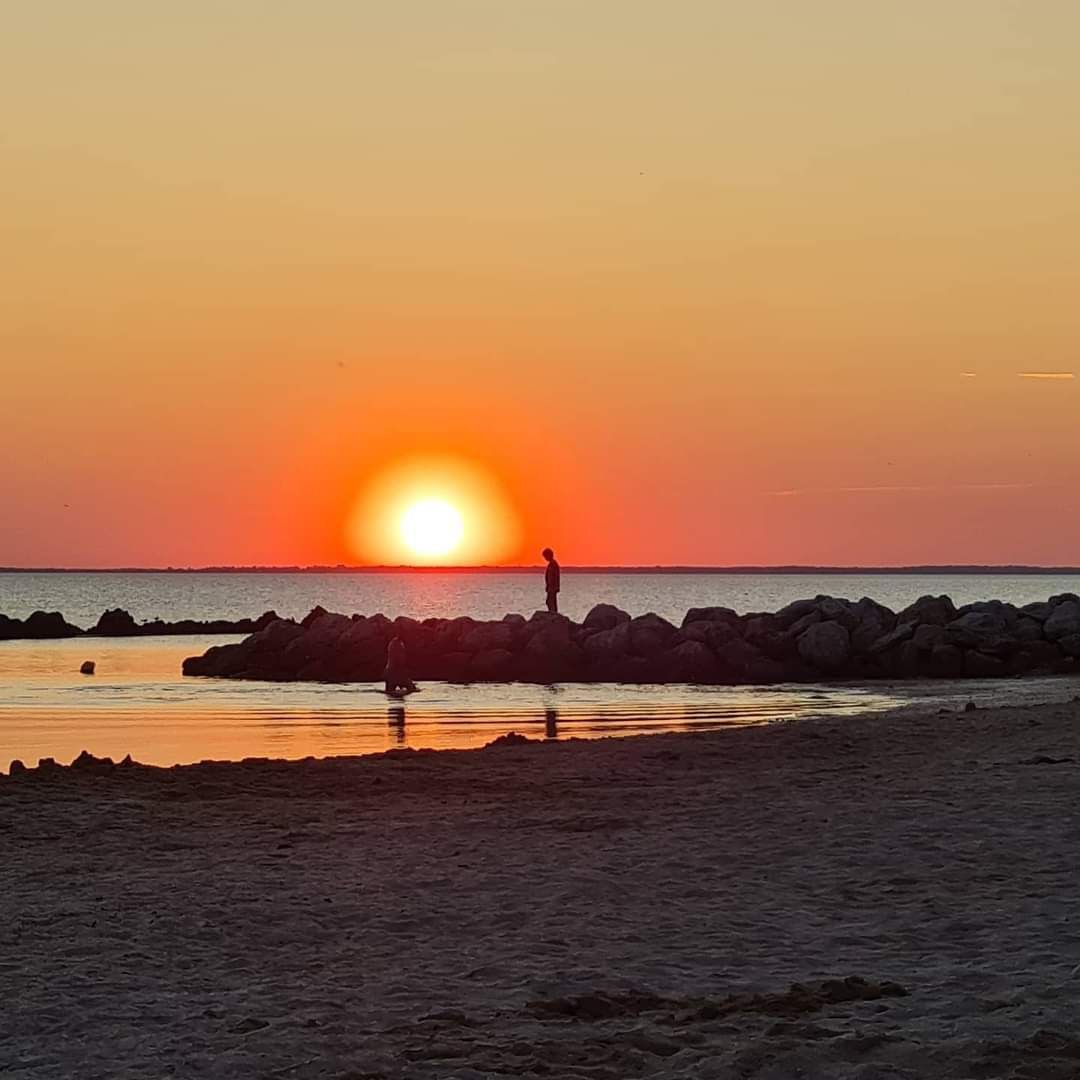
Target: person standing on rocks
(551, 580)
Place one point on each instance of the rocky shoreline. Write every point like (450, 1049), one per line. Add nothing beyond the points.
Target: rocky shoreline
(806, 641)
(116, 622)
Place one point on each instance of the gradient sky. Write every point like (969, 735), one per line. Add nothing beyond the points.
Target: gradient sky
(696, 282)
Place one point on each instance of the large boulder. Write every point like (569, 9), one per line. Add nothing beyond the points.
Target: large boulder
(1026, 629)
(928, 636)
(945, 661)
(904, 661)
(42, 625)
(756, 627)
(551, 655)
(116, 622)
(608, 644)
(805, 622)
(936, 610)
(325, 631)
(224, 661)
(454, 667)
(1009, 612)
(1068, 645)
(315, 613)
(713, 634)
(366, 639)
(894, 638)
(710, 615)
(791, 613)
(1042, 656)
(825, 646)
(871, 622)
(768, 637)
(737, 661)
(450, 634)
(1040, 610)
(265, 619)
(833, 609)
(492, 665)
(985, 631)
(691, 661)
(418, 637)
(1064, 622)
(490, 636)
(333, 648)
(650, 634)
(277, 635)
(604, 617)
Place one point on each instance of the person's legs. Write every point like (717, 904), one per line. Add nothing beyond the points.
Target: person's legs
(553, 602)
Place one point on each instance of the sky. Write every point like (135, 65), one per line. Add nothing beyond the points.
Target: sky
(692, 282)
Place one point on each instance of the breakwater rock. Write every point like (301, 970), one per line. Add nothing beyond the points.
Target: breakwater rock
(116, 622)
(807, 641)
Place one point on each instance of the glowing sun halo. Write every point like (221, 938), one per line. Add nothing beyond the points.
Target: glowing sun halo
(433, 510)
(432, 528)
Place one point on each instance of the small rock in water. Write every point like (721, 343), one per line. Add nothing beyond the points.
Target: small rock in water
(87, 667)
(970, 707)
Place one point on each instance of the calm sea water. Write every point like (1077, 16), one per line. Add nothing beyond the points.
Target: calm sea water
(83, 597)
(139, 703)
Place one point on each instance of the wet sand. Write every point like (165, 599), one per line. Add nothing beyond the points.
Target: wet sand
(577, 909)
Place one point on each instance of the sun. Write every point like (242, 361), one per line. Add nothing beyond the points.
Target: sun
(432, 528)
(433, 510)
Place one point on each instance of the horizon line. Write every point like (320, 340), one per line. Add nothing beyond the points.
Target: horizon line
(517, 568)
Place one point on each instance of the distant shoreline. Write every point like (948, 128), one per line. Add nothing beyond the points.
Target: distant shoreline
(942, 570)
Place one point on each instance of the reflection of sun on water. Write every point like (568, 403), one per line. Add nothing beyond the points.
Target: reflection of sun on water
(432, 527)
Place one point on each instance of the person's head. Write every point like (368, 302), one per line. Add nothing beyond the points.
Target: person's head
(548, 554)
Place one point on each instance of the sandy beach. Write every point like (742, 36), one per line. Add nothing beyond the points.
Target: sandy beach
(623, 907)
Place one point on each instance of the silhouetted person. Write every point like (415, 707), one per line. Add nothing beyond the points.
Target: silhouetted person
(397, 668)
(551, 580)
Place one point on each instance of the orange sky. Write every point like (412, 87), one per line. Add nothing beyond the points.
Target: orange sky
(693, 282)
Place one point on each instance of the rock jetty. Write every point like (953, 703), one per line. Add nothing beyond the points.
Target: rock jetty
(116, 622)
(807, 641)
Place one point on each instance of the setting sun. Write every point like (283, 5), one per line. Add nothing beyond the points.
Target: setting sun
(433, 510)
(432, 527)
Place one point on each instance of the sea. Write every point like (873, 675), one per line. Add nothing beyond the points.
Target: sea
(138, 702)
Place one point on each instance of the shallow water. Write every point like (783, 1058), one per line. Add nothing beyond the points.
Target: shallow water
(138, 703)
